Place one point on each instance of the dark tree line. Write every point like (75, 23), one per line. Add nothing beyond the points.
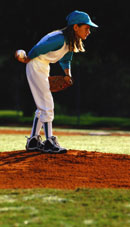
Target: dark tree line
(101, 74)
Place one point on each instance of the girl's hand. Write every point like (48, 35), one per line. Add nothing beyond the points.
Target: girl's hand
(21, 56)
(68, 79)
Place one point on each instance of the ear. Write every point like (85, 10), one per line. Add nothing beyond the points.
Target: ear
(75, 27)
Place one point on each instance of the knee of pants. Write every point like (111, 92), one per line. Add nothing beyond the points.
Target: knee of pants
(47, 116)
(38, 113)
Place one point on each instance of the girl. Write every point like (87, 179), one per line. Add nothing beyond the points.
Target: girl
(56, 46)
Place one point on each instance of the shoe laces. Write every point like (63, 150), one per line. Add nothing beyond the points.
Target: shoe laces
(39, 140)
(40, 143)
(55, 141)
(38, 137)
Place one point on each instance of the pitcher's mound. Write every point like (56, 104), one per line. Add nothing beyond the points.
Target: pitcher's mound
(75, 169)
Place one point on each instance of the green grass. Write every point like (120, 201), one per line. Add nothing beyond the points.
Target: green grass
(50, 207)
(10, 113)
(97, 140)
(93, 121)
(85, 120)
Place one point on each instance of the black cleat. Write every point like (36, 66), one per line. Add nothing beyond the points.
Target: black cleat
(34, 143)
(52, 146)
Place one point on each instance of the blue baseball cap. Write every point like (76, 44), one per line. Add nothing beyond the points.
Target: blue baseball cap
(79, 17)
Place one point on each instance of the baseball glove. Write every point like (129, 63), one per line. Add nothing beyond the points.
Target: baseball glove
(59, 83)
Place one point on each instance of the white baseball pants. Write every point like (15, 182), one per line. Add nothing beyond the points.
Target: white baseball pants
(37, 75)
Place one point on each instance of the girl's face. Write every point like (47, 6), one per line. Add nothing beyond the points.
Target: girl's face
(82, 31)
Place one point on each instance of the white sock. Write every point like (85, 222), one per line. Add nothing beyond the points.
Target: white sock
(47, 129)
(36, 128)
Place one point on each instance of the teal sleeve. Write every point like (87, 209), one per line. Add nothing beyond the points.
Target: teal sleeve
(47, 44)
(65, 62)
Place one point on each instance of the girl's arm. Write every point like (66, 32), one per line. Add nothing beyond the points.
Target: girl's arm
(46, 44)
(68, 72)
(68, 76)
(65, 63)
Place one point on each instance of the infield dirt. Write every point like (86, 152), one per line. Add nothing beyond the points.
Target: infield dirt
(75, 169)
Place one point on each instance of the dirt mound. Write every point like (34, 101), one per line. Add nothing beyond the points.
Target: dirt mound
(22, 169)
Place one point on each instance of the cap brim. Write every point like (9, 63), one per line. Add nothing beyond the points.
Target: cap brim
(92, 24)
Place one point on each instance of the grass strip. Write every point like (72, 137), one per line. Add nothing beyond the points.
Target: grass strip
(82, 121)
(50, 207)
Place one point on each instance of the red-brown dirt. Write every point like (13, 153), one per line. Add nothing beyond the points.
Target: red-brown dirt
(63, 133)
(75, 169)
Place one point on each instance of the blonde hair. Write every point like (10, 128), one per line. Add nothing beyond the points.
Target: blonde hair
(75, 44)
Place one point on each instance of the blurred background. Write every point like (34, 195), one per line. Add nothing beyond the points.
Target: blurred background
(101, 74)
